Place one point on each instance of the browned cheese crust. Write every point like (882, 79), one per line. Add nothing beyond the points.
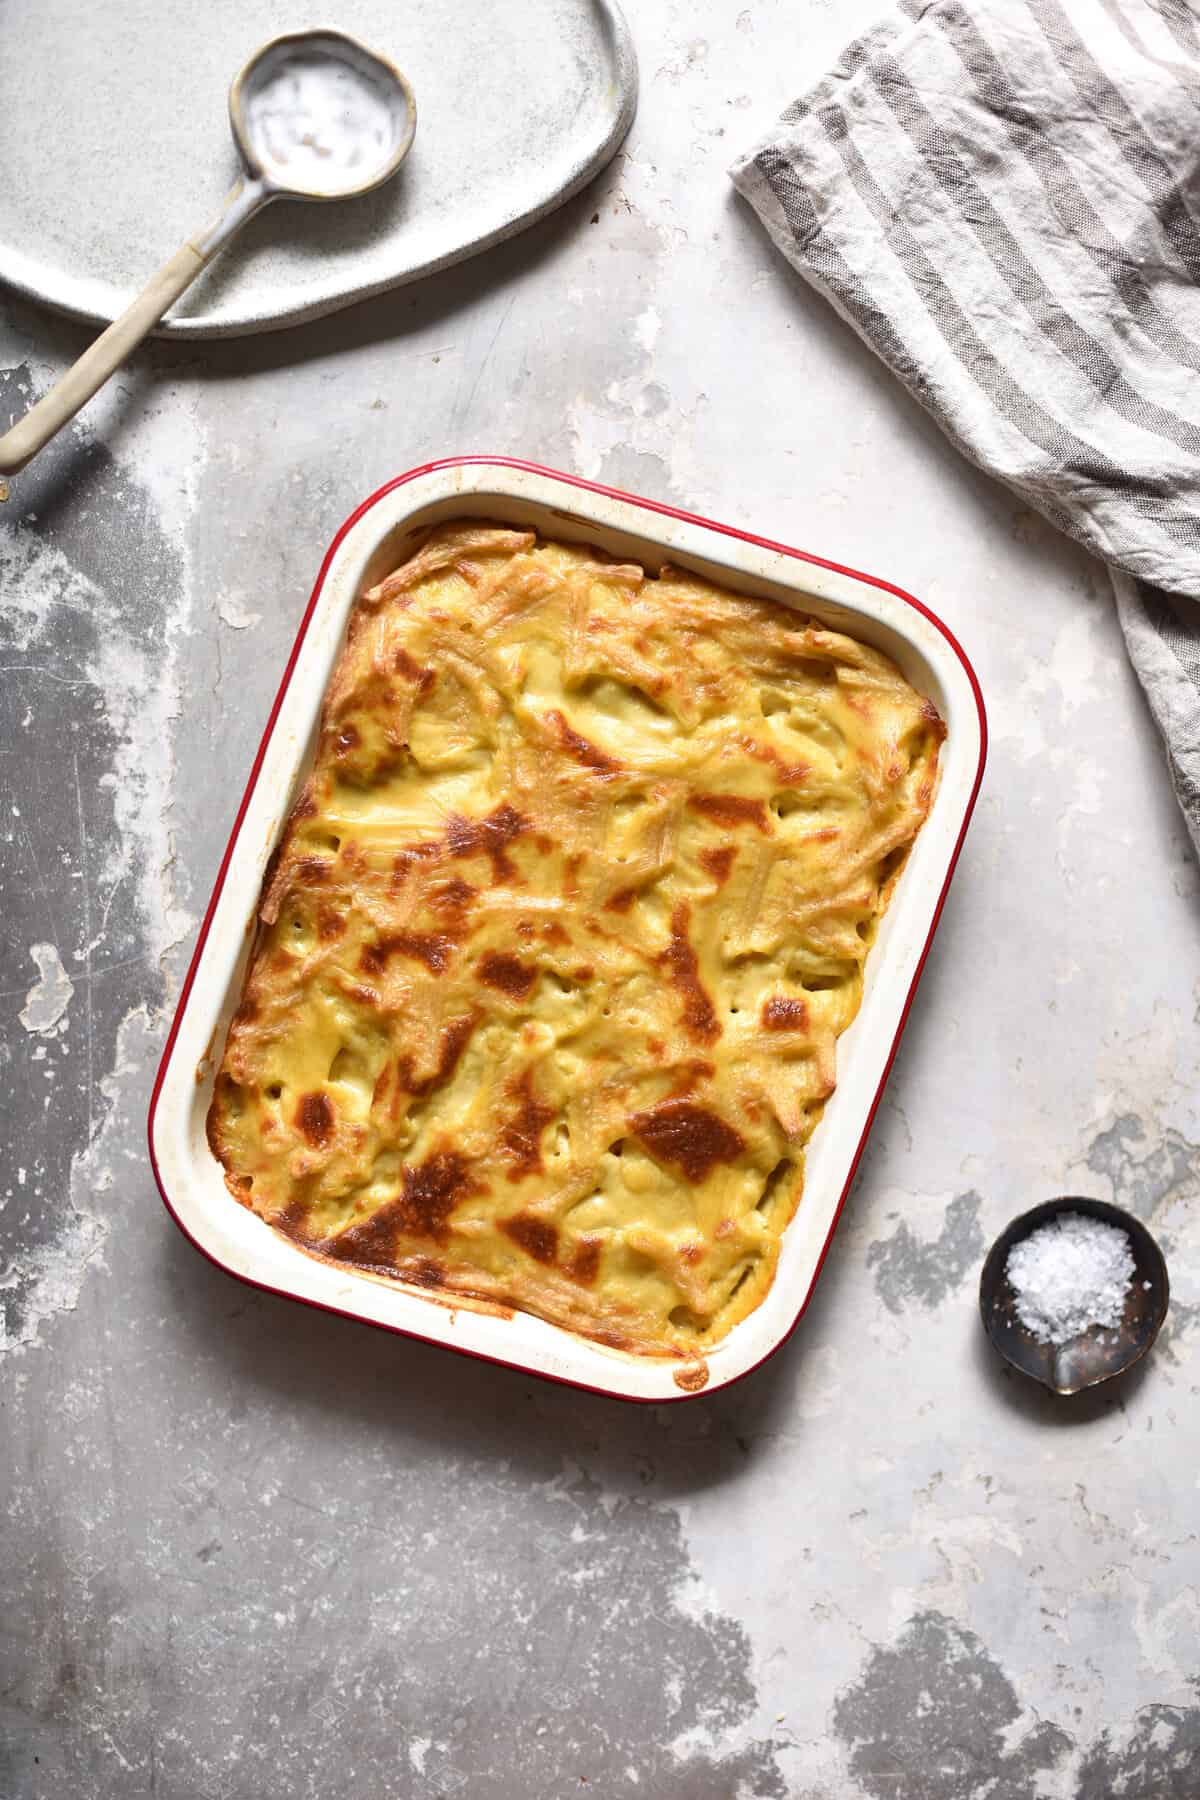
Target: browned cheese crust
(554, 954)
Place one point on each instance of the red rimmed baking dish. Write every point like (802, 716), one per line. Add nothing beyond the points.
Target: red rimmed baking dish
(373, 540)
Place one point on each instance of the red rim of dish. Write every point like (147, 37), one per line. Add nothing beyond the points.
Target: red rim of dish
(671, 512)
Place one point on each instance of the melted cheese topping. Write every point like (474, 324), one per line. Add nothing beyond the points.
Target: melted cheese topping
(560, 937)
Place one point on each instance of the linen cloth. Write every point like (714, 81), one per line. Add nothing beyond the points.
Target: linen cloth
(1002, 197)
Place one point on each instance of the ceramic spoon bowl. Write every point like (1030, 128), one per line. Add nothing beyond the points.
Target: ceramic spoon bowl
(1096, 1354)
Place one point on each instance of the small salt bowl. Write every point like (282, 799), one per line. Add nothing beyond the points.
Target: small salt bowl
(1098, 1353)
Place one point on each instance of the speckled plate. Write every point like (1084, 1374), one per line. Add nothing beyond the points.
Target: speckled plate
(115, 147)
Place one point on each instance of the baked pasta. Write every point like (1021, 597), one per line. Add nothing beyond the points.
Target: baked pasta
(553, 956)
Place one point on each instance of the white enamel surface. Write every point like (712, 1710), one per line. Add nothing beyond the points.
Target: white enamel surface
(188, 1172)
(115, 145)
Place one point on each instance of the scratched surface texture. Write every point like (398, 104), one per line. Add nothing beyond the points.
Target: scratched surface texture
(253, 1553)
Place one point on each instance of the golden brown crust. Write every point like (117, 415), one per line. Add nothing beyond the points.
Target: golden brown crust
(559, 938)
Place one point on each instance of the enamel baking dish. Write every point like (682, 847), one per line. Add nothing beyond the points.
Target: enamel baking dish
(373, 541)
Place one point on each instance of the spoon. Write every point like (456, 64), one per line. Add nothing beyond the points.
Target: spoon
(315, 116)
(1098, 1353)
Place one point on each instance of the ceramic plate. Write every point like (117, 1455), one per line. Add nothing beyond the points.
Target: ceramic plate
(115, 147)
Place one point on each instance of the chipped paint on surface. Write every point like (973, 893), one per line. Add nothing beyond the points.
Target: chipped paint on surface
(1145, 1171)
(254, 1550)
(233, 611)
(531, 1633)
(934, 1717)
(924, 1271)
(36, 582)
(646, 328)
(48, 1280)
(1155, 1173)
(51, 994)
(92, 610)
(1156, 1758)
(119, 639)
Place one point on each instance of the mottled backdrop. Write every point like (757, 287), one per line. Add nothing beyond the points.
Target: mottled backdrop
(253, 1553)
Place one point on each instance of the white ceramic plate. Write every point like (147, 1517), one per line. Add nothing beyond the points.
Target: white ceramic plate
(115, 147)
(373, 541)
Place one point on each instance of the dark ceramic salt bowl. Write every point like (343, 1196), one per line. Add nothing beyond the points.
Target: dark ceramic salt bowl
(1097, 1354)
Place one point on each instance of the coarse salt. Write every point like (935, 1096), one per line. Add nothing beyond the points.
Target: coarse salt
(320, 123)
(1069, 1274)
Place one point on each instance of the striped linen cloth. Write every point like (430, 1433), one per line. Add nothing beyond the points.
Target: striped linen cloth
(1003, 198)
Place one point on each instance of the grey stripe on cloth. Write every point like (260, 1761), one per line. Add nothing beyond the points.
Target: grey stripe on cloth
(1164, 646)
(1181, 24)
(1066, 197)
(1002, 197)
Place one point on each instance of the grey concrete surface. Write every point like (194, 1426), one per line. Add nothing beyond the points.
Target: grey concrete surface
(251, 1552)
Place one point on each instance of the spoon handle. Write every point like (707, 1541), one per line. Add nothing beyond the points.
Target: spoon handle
(101, 359)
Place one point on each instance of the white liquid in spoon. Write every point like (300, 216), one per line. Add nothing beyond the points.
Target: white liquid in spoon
(317, 123)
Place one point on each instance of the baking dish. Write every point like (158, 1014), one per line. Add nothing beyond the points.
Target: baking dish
(373, 540)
